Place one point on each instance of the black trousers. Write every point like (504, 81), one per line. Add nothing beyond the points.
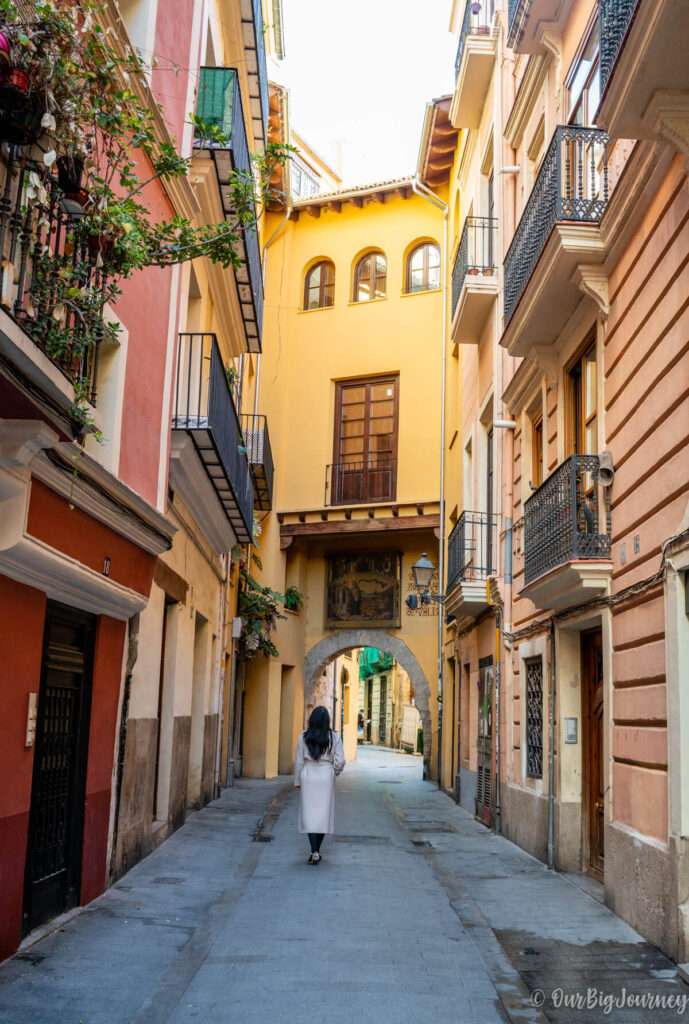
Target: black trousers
(316, 838)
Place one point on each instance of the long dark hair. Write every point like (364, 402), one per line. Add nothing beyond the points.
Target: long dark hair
(318, 737)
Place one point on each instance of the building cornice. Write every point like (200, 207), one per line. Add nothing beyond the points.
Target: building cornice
(92, 488)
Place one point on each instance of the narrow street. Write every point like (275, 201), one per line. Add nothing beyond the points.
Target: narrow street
(416, 912)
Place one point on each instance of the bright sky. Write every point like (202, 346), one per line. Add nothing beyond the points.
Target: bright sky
(362, 71)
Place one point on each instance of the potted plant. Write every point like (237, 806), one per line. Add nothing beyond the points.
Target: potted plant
(294, 600)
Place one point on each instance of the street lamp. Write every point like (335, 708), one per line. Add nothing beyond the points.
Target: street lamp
(423, 572)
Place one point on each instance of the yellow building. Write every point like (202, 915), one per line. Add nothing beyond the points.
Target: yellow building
(350, 384)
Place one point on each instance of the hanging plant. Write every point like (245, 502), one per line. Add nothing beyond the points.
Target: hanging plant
(64, 80)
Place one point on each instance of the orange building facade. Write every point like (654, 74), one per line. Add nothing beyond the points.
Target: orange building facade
(568, 482)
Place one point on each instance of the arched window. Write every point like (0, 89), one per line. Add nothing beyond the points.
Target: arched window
(423, 268)
(369, 277)
(319, 287)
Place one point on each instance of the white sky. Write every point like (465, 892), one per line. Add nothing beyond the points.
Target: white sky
(362, 71)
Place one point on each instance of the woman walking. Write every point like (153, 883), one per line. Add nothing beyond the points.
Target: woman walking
(319, 758)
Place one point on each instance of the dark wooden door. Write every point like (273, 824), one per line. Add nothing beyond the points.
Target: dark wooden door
(484, 741)
(365, 451)
(369, 709)
(594, 774)
(56, 819)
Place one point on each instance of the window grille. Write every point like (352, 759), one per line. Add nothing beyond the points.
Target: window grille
(534, 718)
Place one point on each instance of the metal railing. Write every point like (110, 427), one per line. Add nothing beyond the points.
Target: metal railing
(614, 18)
(260, 456)
(476, 253)
(204, 403)
(561, 518)
(39, 253)
(261, 60)
(513, 7)
(471, 548)
(352, 483)
(219, 103)
(478, 18)
(572, 185)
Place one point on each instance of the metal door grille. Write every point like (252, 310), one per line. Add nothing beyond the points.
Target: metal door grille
(58, 788)
(484, 742)
(383, 718)
(534, 718)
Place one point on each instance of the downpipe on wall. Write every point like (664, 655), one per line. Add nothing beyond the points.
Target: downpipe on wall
(424, 193)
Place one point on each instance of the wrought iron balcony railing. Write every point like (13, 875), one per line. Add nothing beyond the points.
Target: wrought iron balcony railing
(614, 18)
(204, 407)
(478, 18)
(219, 103)
(561, 518)
(39, 254)
(352, 483)
(572, 185)
(259, 32)
(512, 8)
(476, 253)
(260, 455)
(471, 548)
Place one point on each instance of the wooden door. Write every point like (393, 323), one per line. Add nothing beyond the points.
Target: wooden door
(58, 792)
(594, 770)
(365, 450)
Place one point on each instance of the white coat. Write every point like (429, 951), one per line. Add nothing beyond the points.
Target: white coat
(317, 781)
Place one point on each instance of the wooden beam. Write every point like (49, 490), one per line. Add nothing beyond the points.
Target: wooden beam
(419, 509)
(335, 205)
(324, 516)
(335, 526)
(358, 201)
(286, 542)
(313, 211)
(378, 197)
(371, 513)
(302, 517)
(294, 215)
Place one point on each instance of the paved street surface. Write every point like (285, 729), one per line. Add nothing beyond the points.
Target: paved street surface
(416, 913)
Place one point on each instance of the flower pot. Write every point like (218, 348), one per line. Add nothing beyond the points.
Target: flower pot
(14, 82)
(70, 170)
(5, 58)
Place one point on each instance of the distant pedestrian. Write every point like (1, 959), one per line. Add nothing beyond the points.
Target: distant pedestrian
(360, 722)
(319, 758)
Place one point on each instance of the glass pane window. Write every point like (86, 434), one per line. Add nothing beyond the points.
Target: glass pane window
(370, 277)
(423, 268)
(584, 83)
(319, 286)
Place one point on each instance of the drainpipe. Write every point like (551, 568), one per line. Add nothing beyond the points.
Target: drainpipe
(420, 190)
(551, 752)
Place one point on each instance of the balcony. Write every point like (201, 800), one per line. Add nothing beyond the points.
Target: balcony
(208, 466)
(56, 357)
(524, 19)
(253, 31)
(474, 64)
(474, 279)
(260, 456)
(644, 79)
(219, 103)
(471, 559)
(567, 536)
(356, 483)
(557, 239)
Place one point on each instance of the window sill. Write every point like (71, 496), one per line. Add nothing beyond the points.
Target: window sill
(318, 309)
(426, 291)
(367, 302)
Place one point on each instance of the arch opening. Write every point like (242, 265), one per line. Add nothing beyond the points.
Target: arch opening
(332, 647)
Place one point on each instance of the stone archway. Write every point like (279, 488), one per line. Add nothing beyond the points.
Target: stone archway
(337, 643)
